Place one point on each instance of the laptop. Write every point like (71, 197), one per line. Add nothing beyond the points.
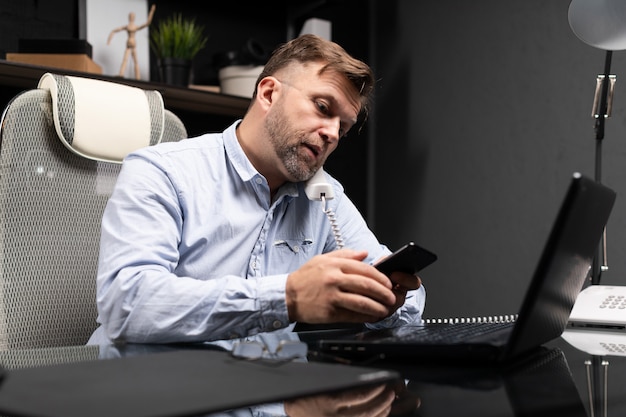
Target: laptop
(558, 278)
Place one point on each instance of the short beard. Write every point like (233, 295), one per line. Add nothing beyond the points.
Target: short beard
(279, 130)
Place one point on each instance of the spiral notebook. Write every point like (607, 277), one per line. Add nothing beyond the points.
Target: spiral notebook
(559, 276)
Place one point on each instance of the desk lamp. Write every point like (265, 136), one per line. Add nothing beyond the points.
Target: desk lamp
(601, 24)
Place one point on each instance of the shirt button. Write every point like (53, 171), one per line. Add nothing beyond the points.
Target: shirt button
(259, 180)
(277, 324)
(296, 249)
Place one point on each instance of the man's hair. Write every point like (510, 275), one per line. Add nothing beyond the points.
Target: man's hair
(312, 48)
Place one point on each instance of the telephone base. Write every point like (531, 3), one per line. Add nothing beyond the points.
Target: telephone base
(597, 323)
(600, 307)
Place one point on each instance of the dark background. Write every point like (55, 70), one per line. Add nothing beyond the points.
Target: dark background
(482, 113)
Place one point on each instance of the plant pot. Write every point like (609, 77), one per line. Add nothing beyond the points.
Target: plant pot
(175, 71)
(239, 80)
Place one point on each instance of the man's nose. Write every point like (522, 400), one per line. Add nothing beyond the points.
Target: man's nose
(330, 131)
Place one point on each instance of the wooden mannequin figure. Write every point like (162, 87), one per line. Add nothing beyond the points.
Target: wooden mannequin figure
(131, 43)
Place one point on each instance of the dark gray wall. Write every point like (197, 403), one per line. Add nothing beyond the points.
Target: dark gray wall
(482, 115)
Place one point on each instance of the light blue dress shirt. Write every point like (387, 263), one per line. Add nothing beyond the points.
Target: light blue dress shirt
(194, 249)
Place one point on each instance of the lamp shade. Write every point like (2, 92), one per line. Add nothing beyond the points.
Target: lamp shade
(599, 23)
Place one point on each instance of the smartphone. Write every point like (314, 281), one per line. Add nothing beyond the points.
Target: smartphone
(410, 258)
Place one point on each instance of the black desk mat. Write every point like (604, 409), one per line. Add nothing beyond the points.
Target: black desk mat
(178, 383)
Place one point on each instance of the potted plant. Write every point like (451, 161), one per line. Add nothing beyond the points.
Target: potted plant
(175, 42)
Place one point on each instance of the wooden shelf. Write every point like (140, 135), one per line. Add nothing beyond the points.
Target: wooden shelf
(27, 76)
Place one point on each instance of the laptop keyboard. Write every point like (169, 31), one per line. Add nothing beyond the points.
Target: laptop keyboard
(450, 333)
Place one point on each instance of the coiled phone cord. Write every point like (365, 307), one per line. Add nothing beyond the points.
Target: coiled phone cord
(333, 223)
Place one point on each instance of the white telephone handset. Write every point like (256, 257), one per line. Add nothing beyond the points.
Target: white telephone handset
(318, 189)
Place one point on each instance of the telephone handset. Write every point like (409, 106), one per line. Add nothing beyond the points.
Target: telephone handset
(317, 188)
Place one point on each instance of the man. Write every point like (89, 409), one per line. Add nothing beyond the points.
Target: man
(213, 237)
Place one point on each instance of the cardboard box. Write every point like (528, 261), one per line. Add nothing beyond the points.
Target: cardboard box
(74, 62)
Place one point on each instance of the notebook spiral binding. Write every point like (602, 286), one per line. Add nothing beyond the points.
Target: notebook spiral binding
(487, 319)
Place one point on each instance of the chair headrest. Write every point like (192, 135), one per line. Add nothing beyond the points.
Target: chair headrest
(103, 120)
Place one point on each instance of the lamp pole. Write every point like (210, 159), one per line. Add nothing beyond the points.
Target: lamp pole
(602, 104)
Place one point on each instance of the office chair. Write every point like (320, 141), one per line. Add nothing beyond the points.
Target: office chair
(61, 146)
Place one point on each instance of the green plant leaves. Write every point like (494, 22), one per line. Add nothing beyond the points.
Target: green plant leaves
(176, 37)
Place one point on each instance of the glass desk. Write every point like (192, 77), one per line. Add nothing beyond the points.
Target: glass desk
(557, 380)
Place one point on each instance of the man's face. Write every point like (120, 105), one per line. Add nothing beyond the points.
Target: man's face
(313, 112)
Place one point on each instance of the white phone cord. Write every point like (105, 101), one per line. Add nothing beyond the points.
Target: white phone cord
(333, 223)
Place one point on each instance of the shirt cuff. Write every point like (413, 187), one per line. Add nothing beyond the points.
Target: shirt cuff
(272, 303)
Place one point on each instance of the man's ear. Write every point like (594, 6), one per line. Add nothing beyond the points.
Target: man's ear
(266, 90)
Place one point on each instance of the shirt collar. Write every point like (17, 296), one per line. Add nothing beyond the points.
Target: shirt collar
(242, 164)
(236, 155)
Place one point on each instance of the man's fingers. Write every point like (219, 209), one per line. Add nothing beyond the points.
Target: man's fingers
(357, 304)
(370, 288)
(405, 281)
(359, 268)
(348, 253)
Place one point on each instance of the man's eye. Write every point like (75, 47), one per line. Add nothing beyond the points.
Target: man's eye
(322, 107)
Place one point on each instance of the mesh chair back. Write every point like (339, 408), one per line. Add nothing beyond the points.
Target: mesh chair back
(51, 204)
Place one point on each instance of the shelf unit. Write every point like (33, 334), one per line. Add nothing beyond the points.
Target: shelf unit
(18, 75)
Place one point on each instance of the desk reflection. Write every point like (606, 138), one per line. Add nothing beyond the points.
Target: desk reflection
(392, 399)
(380, 400)
(539, 385)
(600, 345)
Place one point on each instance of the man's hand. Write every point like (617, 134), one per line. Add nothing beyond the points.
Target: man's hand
(402, 283)
(368, 401)
(390, 399)
(339, 287)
